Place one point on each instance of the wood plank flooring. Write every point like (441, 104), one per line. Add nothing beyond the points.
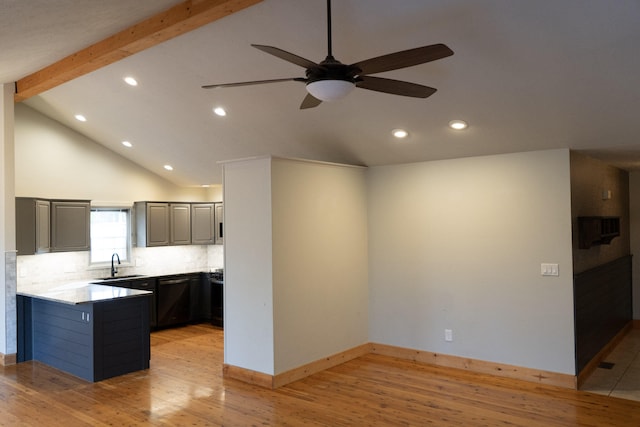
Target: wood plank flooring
(184, 387)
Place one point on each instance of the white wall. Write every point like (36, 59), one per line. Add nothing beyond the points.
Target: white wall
(296, 285)
(54, 161)
(319, 260)
(248, 277)
(458, 244)
(634, 208)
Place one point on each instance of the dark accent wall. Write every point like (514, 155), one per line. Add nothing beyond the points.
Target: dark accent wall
(602, 273)
(602, 307)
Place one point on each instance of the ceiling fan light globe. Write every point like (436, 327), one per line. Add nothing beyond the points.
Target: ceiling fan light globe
(330, 90)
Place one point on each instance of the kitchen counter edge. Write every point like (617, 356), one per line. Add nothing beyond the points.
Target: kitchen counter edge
(80, 293)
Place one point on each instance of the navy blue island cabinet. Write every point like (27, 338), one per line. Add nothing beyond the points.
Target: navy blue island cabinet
(93, 340)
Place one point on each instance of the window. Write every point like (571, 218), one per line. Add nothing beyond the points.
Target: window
(110, 233)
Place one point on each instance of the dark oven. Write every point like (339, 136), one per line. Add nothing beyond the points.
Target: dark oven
(216, 279)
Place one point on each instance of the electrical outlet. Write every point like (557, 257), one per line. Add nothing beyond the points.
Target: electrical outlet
(448, 335)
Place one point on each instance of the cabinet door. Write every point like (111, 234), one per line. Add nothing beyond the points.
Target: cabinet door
(43, 226)
(203, 224)
(219, 223)
(157, 224)
(204, 305)
(32, 226)
(70, 226)
(196, 297)
(180, 228)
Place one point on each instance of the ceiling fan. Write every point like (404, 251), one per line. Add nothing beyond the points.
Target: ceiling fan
(330, 79)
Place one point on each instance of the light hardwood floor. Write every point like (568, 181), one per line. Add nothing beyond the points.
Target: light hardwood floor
(184, 387)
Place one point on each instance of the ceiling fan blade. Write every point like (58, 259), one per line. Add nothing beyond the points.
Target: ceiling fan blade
(256, 82)
(287, 56)
(395, 87)
(403, 59)
(309, 101)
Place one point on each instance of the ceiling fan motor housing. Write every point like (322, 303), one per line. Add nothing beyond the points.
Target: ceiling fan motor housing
(332, 69)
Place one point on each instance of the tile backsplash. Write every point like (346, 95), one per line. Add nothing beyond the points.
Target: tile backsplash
(63, 267)
(10, 308)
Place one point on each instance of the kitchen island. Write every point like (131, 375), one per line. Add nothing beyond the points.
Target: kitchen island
(91, 331)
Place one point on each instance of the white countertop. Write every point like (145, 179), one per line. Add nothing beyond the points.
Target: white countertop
(79, 292)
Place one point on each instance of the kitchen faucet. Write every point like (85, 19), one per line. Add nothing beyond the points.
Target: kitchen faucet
(113, 267)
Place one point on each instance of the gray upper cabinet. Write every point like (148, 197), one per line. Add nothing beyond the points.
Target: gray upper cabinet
(33, 235)
(52, 225)
(167, 223)
(152, 223)
(70, 225)
(180, 223)
(219, 219)
(163, 223)
(203, 224)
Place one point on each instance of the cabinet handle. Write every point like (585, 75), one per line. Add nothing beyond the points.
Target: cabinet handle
(88, 317)
(83, 315)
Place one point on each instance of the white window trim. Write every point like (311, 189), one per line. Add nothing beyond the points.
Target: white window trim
(116, 206)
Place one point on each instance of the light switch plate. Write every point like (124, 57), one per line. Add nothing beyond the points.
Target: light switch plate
(549, 269)
(448, 335)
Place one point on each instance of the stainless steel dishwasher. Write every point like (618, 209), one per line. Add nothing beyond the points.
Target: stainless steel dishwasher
(173, 301)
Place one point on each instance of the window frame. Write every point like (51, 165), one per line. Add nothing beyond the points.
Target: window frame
(125, 260)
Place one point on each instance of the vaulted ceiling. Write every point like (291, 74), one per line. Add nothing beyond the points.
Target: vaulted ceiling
(525, 76)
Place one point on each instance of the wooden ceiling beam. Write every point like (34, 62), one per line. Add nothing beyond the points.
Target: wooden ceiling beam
(163, 26)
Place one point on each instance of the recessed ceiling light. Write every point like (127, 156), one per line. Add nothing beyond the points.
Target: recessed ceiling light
(458, 124)
(131, 81)
(127, 144)
(205, 186)
(400, 133)
(220, 111)
(168, 167)
(81, 118)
